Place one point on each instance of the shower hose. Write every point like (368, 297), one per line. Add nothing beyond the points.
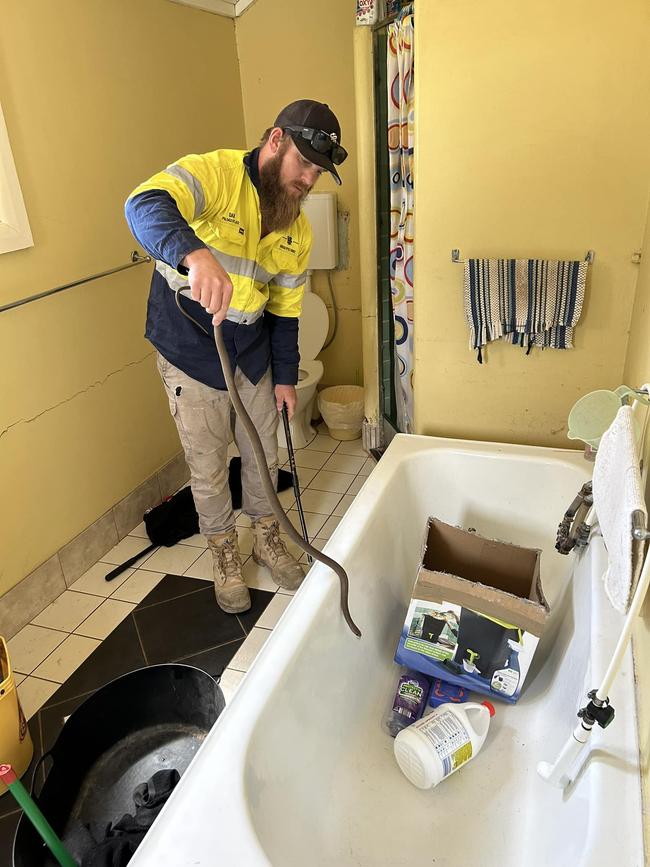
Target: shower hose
(265, 476)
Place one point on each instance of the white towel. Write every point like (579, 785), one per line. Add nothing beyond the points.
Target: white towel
(617, 493)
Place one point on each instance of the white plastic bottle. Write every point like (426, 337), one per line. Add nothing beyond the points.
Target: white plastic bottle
(437, 745)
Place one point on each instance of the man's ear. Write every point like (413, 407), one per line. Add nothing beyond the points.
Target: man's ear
(275, 137)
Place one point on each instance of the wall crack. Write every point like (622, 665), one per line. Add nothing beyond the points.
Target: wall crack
(75, 395)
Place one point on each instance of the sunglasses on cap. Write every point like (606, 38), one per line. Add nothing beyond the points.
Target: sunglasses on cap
(322, 142)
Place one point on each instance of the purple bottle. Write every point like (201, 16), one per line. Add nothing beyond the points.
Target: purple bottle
(409, 702)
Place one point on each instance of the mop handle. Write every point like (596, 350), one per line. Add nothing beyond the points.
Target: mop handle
(38, 820)
(294, 473)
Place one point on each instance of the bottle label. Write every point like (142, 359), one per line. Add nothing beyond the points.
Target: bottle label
(450, 739)
(408, 698)
(505, 681)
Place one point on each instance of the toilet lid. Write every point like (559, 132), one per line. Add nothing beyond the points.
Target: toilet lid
(313, 327)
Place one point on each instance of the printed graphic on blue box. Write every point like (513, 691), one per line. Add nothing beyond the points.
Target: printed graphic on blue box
(465, 647)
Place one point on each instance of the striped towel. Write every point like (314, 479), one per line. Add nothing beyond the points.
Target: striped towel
(529, 302)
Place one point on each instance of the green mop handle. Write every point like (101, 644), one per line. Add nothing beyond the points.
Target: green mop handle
(38, 820)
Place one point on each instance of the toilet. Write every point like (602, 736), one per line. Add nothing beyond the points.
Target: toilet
(312, 334)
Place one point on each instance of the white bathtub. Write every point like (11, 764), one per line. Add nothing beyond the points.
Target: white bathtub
(298, 770)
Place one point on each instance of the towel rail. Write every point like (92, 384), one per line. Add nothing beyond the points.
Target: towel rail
(136, 259)
(590, 255)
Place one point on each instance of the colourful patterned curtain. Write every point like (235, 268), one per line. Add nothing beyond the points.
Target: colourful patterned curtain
(400, 154)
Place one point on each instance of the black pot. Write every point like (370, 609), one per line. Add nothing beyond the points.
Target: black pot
(151, 719)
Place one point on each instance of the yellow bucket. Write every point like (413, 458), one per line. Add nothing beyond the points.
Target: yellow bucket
(16, 748)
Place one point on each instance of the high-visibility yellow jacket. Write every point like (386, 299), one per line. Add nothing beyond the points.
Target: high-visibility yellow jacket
(215, 196)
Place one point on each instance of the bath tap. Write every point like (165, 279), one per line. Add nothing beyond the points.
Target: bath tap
(573, 530)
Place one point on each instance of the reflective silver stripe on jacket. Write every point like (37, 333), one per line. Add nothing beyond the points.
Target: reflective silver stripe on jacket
(289, 281)
(193, 185)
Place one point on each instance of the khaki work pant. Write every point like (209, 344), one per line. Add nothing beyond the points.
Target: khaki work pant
(203, 418)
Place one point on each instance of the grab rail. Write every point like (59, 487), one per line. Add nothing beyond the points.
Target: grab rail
(136, 259)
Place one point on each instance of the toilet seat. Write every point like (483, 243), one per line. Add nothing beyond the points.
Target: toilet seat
(309, 372)
(313, 326)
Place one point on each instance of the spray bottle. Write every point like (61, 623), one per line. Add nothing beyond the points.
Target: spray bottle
(436, 746)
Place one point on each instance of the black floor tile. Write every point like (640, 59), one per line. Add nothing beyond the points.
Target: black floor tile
(184, 626)
(118, 654)
(259, 600)
(171, 587)
(7, 830)
(214, 661)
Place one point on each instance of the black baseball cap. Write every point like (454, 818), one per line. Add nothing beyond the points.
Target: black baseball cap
(310, 115)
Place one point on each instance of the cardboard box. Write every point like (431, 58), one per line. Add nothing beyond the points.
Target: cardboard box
(477, 612)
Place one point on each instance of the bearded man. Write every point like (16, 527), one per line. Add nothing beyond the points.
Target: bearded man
(231, 246)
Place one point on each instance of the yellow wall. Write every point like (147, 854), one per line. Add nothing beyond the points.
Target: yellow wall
(532, 128)
(637, 372)
(97, 96)
(289, 50)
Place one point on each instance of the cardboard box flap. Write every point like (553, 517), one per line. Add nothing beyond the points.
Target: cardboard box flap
(501, 565)
(525, 614)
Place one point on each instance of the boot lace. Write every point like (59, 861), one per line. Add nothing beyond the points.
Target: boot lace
(228, 559)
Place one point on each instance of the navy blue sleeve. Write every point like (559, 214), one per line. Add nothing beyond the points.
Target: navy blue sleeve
(285, 356)
(156, 222)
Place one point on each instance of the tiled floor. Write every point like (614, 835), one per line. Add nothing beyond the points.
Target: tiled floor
(163, 609)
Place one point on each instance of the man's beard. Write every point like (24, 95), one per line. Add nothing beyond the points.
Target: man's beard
(279, 206)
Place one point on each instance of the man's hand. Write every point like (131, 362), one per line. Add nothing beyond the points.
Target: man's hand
(286, 394)
(209, 282)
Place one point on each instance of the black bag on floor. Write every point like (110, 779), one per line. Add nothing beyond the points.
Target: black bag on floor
(176, 518)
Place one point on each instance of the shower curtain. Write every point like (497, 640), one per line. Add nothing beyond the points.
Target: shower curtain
(400, 155)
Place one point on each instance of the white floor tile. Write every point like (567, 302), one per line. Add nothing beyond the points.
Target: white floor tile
(34, 692)
(343, 505)
(273, 611)
(173, 561)
(258, 577)
(283, 455)
(67, 657)
(140, 531)
(368, 467)
(29, 647)
(322, 443)
(93, 581)
(329, 481)
(352, 447)
(18, 678)
(321, 502)
(128, 547)
(229, 683)
(345, 463)
(197, 541)
(313, 521)
(201, 568)
(287, 498)
(356, 485)
(137, 586)
(105, 619)
(329, 526)
(310, 459)
(305, 475)
(67, 611)
(246, 654)
(242, 520)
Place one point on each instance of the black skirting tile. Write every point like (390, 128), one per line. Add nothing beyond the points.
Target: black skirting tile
(52, 720)
(7, 830)
(184, 626)
(215, 660)
(118, 654)
(259, 600)
(171, 587)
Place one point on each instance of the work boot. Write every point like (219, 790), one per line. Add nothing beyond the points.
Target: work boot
(269, 550)
(231, 592)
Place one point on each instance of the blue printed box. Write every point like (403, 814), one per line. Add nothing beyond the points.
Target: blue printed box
(476, 614)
